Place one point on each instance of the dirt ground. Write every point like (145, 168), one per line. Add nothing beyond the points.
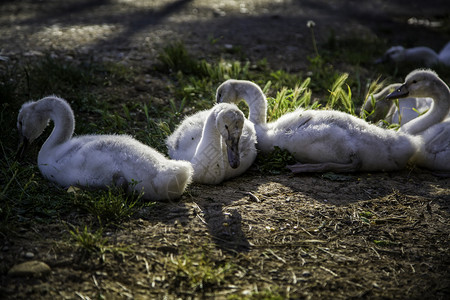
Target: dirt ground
(380, 235)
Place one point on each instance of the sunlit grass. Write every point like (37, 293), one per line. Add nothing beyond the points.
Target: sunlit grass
(341, 96)
(92, 242)
(198, 272)
(112, 206)
(287, 100)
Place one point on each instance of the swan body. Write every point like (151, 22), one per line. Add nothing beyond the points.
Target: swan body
(182, 143)
(444, 55)
(407, 110)
(423, 55)
(98, 161)
(224, 148)
(434, 150)
(321, 140)
(433, 127)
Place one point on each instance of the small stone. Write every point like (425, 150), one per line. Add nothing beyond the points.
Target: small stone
(306, 274)
(29, 255)
(29, 268)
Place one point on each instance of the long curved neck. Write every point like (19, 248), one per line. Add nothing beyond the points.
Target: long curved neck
(439, 110)
(257, 103)
(209, 155)
(61, 114)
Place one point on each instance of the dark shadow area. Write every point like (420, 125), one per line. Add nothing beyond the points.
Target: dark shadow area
(275, 31)
(223, 224)
(225, 228)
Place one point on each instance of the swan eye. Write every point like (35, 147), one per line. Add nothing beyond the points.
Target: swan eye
(414, 81)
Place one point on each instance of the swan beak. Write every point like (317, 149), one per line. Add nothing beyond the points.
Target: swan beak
(23, 146)
(401, 92)
(233, 152)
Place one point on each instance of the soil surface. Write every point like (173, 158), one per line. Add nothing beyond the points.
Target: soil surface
(379, 235)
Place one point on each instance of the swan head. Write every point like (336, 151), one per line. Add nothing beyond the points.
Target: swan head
(227, 92)
(418, 84)
(234, 91)
(30, 125)
(396, 53)
(229, 122)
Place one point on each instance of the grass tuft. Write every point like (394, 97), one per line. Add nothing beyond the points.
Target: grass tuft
(199, 272)
(112, 206)
(92, 242)
(340, 98)
(274, 162)
(287, 100)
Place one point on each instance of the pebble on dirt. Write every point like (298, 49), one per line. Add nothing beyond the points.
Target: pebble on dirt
(30, 268)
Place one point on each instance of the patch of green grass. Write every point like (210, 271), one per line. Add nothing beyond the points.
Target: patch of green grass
(196, 79)
(92, 242)
(287, 100)
(175, 57)
(157, 130)
(374, 87)
(111, 206)
(340, 98)
(274, 162)
(322, 73)
(113, 72)
(198, 272)
(57, 76)
(280, 79)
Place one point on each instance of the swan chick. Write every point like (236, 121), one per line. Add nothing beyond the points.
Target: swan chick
(222, 149)
(226, 146)
(433, 127)
(424, 55)
(97, 161)
(321, 140)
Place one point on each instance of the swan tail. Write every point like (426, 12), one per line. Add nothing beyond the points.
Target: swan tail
(179, 178)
